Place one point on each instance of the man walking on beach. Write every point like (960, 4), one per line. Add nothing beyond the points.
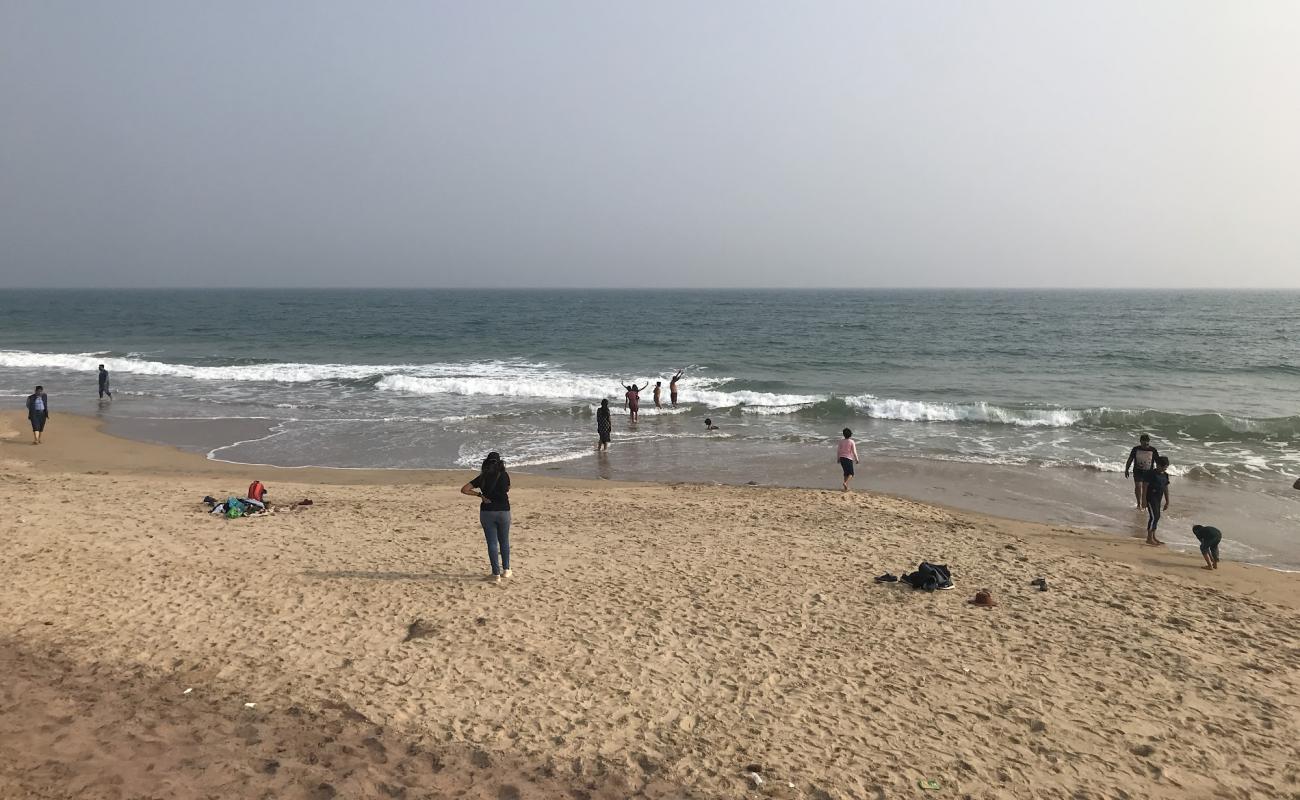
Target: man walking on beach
(103, 383)
(847, 453)
(38, 411)
(1142, 460)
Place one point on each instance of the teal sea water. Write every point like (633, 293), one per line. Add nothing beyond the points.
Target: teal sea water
(1033, 381)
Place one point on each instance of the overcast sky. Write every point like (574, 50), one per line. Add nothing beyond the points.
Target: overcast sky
(659, 143)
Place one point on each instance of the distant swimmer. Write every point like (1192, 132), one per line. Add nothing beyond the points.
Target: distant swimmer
(658, 391)
(847, 453)
(1157, 490)
(38, 411)
(604, 426)
(103, 383)
(633, 399)
(709, 426)
(1142, 460)
(672, 388)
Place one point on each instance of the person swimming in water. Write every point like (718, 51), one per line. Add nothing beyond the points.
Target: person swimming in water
(708, 425)
(633, 399)
(672, 387)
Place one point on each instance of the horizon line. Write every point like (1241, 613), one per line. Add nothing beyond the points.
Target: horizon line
(407, 288)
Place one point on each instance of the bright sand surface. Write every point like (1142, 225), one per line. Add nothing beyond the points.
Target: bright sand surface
(655, 641)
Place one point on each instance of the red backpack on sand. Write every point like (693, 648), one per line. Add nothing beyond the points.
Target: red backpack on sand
(256, 491)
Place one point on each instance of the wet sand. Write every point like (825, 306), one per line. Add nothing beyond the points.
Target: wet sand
(655, 641)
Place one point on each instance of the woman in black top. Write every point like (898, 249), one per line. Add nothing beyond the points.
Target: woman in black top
(492, 486)
(604, 425)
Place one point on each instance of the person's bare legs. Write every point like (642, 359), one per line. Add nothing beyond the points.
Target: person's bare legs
(1140, 489)
(1137, 493)
(847, 478)
(1209, 562)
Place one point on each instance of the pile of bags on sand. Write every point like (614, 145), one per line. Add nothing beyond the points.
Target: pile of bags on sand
(254, 502)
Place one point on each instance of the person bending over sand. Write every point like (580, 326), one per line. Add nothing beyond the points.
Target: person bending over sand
(493, 491)
(1209, 537)
(1142, 459)
(847, 453)
(1157, 490)
(38, 411)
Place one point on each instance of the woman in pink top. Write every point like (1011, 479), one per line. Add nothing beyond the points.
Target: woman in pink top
(847, 453)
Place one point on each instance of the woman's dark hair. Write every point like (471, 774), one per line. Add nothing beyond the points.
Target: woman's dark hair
(604, 402)
(493, 464)
(1163, 461)
(847, 433)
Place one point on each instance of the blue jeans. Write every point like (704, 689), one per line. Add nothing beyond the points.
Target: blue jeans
(496, 527)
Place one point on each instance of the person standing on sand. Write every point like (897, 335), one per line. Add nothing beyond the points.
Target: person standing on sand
(658, 391)
(103, 383)
(1157, 490)
(847, 453)
(604, 425)
(633, 398)
(1142, 459)
(493, 491)
(38, 411)
(672, 389)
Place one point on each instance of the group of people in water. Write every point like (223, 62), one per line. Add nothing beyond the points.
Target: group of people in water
(632, 395)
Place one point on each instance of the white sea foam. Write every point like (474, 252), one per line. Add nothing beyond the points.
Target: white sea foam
(922, 411)
(272, 373)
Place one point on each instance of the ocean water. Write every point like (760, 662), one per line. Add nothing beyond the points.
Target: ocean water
(1025, 380)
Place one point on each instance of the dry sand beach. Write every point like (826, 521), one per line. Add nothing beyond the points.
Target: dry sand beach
(656, 641)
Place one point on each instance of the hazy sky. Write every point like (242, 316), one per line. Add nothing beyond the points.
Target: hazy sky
(611, 143)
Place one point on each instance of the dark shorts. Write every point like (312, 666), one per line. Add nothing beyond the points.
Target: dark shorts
(38, 422)
(1210, 545)
(604, 437)
(1141, 476)
(846, 464)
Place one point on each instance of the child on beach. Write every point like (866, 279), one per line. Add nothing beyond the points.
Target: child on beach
(847, 453)
(1157, 490)
(1209, 537)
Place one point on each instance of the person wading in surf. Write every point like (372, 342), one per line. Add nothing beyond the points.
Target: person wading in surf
(1142, 460)
(672, 387)
(633, 400)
